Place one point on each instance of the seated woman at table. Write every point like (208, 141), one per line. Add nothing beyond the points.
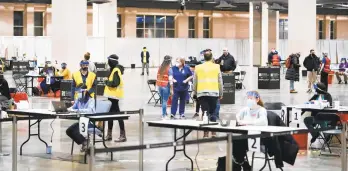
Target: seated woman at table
(252, 115)
(341, 71)
(321, 94)
(48, 70)
(84, 104)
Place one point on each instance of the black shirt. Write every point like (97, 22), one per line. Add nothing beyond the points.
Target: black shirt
(4, 89)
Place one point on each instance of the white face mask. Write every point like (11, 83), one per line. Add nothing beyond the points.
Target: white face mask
(177, 64)
(79, 96)
(251, 103)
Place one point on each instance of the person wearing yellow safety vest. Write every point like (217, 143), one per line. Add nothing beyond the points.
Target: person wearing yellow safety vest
(83, 77)
(145, 56)
(208, 86)
(114, 92)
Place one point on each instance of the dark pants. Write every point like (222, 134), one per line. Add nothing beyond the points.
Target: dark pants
(324, 79)
(115, 108)
(182, 96)
(74, 133)
(198, 106)
(240, 148)
(208, 104)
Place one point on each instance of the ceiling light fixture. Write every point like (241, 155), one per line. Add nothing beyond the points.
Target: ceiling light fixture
(99, 1)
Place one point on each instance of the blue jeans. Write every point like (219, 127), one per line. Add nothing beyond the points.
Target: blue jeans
(164, 93)
(292, 86)
(217, 110)
(179, 95)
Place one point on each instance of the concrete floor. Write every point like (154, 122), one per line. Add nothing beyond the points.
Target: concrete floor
(136, 97)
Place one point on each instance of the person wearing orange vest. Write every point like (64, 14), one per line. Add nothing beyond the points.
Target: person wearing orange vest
(325, 70)
(163, 82)
(274, 58)
(114, 92)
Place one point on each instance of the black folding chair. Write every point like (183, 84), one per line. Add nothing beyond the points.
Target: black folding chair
(19, 82)
(325, 120)
(242, 77)
(154, 93)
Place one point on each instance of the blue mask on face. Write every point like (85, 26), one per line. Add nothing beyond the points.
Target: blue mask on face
(251, 103)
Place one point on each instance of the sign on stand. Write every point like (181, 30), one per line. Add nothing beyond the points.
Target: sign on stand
(83, 126)
(284, 114)
(296, 115)
(254, 144)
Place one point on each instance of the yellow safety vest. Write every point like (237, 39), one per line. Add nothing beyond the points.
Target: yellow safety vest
(66, 74)
(144, 56)
(207, 77)
(89, 81)
(115, 92)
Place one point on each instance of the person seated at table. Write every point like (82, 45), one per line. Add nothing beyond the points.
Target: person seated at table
(341, 71)
(65, 72)
(84, 77)
(4, 93)
(252, 115)
(48, 70)
(84, 104)
(309, 121)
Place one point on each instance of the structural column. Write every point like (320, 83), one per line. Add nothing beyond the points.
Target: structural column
(69, 31)
(29, 20)
(264, 33)
(105, 25)
(302, 26)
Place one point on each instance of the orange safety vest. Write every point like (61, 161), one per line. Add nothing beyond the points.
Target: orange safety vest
(275, 60)
(162, 81)
(327, 65)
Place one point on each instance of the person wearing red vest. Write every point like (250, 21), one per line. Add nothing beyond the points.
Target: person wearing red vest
(164, 75)
(325, 70)
(274, 58)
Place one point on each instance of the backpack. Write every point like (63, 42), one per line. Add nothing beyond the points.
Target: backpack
(288, 62)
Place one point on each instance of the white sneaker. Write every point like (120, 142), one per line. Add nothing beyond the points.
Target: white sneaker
(182, 116)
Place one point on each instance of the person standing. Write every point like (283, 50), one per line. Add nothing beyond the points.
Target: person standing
(208, 86)
(311, 63)
(65, 72)
(274, 58)
(342, 71)
(145, 60)
(114, 92)
(181, 76)
(325, 70)
(293, 73)
(84, 77)
(91, 66)
(164, 77)
(226, 62)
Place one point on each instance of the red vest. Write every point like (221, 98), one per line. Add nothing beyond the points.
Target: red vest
(275, 60)
(162, 81)
(327, 65)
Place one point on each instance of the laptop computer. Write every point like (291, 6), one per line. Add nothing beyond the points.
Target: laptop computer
(60, 107)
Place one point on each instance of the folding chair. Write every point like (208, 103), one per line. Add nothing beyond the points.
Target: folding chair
(242, 77)
(154, 93)
(328, 120)
(19, 82)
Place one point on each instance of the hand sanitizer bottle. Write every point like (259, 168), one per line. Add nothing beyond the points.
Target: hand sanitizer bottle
(205, 118)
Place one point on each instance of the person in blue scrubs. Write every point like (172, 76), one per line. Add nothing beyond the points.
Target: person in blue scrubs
(181, 76)
(49, 70)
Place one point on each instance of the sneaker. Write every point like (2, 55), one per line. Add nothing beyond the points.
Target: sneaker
(213, 134)
(345, 82)
(182, 116)
(147, 73)
(293, 91)
(195, 116)
(172, 116)
(339, 82)
(84, 147)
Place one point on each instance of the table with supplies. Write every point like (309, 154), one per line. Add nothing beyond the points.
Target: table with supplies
(244, 132)
(41, 114)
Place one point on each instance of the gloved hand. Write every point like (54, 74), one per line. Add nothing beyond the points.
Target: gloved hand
(4, 114)
(174, 81)
(185, 81)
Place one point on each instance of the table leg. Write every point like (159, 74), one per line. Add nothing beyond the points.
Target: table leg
(141, 139)
(32, 86)
(167, 164)
(26, 84)
(38, 132)
(184, 150)
(288, 116)
(103, 140)
(229, 150)
(14, 143)
(344, 147)
(29, 135)
(2, 154)
(91, 158)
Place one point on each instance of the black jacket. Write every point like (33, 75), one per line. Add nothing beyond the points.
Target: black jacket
(4, 89)
(311, 62)
(229, 63)
(270, 56)
(283, 148)
(293, 73)
(147, 56)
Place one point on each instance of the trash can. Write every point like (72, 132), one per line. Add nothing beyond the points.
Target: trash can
(330, 77)
(132, 66)
(302, 140)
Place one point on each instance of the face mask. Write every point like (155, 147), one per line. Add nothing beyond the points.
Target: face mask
(251, 103)
(85, 68)
(177, 64)
(63, 67)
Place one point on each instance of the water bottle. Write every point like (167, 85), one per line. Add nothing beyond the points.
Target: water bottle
(205, 118)
(49, 148)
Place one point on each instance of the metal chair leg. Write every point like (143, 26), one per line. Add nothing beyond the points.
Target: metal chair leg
(72, 148)
(252, 161)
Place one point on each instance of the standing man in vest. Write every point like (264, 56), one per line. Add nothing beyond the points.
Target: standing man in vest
(208, 86)
(325, 70)
(114, 92)
(145, 58)
(84, 77)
